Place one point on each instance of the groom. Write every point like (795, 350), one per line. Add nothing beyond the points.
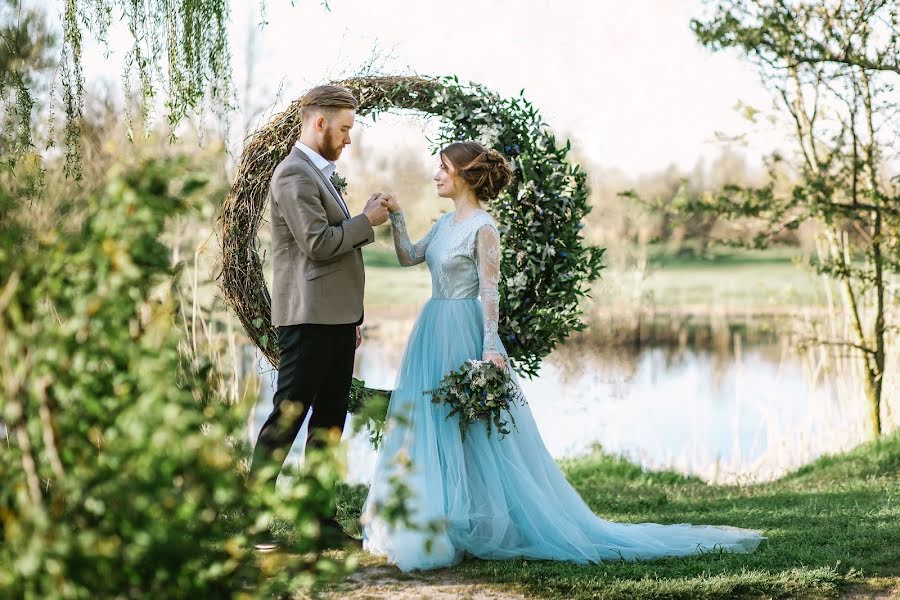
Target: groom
(318, 281)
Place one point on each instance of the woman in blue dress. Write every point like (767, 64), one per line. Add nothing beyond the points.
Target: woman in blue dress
(492, 497)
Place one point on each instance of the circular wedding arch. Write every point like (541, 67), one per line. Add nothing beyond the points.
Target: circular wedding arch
(546, 265)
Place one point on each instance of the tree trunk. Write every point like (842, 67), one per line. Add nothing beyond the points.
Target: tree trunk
(877, 259)
(873, 397)
(879, 354)
(872, 383)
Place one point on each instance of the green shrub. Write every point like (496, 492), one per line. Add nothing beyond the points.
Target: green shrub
(121, 476)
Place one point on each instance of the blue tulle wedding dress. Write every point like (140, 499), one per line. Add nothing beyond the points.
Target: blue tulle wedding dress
(492, 497)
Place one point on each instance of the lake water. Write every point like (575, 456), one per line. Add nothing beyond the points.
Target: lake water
(744, 418)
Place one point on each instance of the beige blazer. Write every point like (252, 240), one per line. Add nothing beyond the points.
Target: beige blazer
(318, 266)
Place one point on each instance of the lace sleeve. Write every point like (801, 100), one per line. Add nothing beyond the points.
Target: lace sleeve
(409, 254)
(487, 256)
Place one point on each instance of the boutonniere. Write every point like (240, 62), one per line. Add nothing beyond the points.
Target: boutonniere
(339, 183)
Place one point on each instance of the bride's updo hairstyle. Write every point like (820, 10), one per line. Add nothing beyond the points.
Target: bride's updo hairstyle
(484, 169)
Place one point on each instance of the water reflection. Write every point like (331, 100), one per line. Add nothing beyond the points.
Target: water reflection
(749, 417)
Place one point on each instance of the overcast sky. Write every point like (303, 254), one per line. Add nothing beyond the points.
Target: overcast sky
(625, 80)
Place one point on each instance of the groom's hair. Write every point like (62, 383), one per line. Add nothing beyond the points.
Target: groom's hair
(326, 99)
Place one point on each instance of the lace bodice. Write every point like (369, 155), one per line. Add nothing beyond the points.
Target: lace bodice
(464, 260)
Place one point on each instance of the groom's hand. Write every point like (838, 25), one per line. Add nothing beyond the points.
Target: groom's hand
(358, 336)
(376, 210)
(391, 202)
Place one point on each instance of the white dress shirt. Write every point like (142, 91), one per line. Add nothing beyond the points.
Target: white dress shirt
(326, 166)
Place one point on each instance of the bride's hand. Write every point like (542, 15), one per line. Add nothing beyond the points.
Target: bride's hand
(495, 358)
(392, 203)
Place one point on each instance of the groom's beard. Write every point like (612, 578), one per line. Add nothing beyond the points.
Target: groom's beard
(331, 147)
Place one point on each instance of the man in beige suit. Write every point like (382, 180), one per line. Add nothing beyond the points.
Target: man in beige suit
(317, 298)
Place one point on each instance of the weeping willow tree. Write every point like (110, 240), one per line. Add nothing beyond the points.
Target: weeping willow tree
(26, 53)
(179, 48)
(179, 54)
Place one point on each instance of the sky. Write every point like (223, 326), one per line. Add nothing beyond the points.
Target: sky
(625, 81)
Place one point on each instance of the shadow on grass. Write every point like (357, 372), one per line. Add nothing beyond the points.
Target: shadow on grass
(818, 540)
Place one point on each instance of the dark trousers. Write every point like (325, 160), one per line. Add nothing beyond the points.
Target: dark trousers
(315, 372)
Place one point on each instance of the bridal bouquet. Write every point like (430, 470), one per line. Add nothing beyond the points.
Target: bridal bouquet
(478, 391)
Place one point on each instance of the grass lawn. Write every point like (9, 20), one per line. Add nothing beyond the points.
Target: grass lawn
(736, 278)
(744, 279)
(832, 526)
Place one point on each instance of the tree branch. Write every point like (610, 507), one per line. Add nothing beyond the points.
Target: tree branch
(839, 343)
(851, 209)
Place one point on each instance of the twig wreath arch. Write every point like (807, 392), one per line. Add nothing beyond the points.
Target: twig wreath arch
(546, 266)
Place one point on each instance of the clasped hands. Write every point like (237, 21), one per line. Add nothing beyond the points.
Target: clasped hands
(379, 206)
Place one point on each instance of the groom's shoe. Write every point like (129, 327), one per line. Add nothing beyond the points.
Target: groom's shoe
(333, 536)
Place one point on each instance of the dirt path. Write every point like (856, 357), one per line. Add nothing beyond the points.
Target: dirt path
(379, 582)
(382, 582)
(877, 589)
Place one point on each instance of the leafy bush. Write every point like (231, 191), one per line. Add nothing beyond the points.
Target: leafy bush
(122, 477)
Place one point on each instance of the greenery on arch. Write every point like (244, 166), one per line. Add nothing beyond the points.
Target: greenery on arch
(547, 266)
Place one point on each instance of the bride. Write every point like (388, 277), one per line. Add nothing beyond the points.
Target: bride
(493, 497)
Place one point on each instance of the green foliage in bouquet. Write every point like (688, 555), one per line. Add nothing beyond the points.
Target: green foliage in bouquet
(122, 468)
(547, 267)
(478, 391)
